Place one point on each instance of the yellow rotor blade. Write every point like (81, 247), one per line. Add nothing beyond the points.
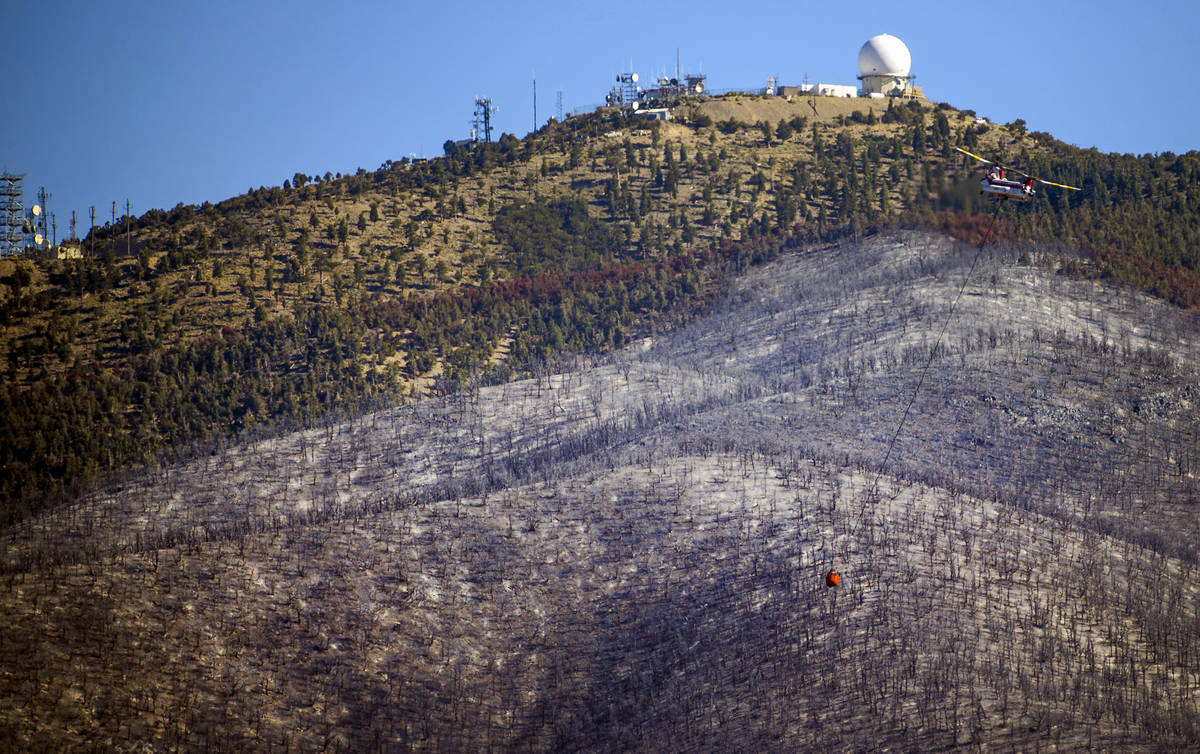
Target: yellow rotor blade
(969, 154)
(1060, 185)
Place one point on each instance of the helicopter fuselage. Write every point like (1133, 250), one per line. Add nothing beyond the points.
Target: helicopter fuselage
(999, 188)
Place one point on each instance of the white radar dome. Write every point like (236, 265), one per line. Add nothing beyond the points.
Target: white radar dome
(884, 55)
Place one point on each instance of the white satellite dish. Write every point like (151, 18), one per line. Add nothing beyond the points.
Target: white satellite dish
(37, 210)
(634, 78)
(37, 239)
(699, 88)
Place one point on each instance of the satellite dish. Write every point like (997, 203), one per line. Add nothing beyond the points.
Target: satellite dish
(636, 105)
(699, 88)
(37, 210)
(37, 239)
(634, 78)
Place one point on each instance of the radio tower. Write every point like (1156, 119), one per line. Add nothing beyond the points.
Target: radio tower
(42, 220)
(12, 219)
(484, 110)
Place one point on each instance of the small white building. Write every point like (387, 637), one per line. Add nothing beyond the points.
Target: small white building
(837, 90)
(825, 90)
(69, 250)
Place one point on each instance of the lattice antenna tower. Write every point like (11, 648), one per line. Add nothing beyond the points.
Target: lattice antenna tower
(558, 104)
(625, 94)
(484, 110)
(12, 214)
(42, 221)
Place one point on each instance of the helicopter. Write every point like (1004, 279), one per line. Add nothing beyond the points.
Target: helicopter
(998, 187)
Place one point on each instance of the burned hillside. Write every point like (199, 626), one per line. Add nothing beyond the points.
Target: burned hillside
(628, 551)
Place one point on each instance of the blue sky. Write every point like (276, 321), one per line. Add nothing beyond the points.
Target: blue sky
(168, 102)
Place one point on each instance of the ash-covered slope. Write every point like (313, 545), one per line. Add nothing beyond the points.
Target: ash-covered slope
(628, 553)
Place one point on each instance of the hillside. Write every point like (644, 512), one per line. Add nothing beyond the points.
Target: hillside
(627, 551)
(184, 328)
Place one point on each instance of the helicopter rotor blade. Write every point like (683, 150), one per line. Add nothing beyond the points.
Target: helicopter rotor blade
(969, 154)
(1060, 185)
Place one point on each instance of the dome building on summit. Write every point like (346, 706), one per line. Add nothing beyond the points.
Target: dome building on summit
(883, 67)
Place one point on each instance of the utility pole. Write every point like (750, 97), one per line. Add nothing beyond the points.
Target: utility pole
(112, 238)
